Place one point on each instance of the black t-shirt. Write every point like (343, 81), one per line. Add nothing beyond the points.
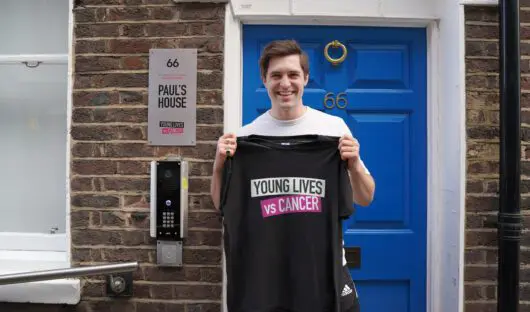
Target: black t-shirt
(282, 201)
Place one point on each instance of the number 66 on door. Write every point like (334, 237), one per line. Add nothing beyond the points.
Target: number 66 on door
(339, 101)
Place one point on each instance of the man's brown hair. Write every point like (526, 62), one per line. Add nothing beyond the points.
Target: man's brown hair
(281, 48)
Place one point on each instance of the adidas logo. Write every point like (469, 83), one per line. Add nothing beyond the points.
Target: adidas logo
(346, 291)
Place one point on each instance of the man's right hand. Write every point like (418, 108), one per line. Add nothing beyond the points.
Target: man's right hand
(226, 144)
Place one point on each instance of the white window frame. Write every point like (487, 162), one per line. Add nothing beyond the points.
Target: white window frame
(25, 252)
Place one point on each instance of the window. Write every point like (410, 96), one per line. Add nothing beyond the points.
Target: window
(33, 133)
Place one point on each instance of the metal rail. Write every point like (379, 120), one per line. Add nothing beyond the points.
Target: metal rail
(67, 273)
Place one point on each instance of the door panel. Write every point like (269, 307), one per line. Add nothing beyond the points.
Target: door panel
(383, 82)
(394, 60)
(393, 208)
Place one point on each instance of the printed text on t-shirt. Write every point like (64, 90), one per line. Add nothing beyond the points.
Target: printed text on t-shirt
(298, 195)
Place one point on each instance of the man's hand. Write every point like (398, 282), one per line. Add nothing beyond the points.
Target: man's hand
(349, 150)
(363, 185)
(226, 144)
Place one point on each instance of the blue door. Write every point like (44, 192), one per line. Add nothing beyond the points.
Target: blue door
(380, 91)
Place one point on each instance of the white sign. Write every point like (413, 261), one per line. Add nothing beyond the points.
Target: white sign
(172, 113)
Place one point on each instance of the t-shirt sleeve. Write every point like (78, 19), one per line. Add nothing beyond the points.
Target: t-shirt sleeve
(345, 193)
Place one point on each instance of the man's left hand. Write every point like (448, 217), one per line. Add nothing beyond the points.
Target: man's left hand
(349, 150)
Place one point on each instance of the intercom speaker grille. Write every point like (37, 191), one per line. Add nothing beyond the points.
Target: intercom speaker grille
(169, 176)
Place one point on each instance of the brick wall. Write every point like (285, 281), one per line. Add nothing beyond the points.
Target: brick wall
(110, 157)
(482, 46)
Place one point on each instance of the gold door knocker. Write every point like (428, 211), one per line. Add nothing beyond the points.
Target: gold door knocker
(335, 44)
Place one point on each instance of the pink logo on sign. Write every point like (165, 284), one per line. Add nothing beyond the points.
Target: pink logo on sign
(175, 131)
(290, 204)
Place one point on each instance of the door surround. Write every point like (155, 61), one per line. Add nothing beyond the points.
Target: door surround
(445, 117)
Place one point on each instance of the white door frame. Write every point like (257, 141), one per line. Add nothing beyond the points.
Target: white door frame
(444, 21)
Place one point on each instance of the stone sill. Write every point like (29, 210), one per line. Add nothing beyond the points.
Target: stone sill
(57, 291)
(61, 291)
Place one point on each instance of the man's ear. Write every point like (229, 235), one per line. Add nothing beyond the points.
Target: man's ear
(306, 80)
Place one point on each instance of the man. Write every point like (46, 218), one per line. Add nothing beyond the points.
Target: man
(285, 72)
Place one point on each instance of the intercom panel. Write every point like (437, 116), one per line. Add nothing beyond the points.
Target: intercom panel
(168, 200)
(169, 209)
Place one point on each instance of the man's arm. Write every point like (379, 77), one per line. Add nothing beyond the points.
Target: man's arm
(363, 185)
(215, 187)
(226, 144)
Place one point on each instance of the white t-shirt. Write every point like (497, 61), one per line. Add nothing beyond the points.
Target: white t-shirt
(311, 122)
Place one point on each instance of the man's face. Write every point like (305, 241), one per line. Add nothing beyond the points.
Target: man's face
(285, 82)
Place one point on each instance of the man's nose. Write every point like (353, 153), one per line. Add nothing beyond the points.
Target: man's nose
(284, 82)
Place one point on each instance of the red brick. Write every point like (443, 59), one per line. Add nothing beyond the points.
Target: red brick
(93, 167)
(91, 46)
(164, 13)
(481, 238)
(133, 30)
(95, 98)
(482, 65)
(481, 273)
(108, 133)
(135, 201)
(160, 306)
(482, 31)
(481, 14)
(126, 184)
(189, 274)
(200, 168)
(96, 30)
(95, 201)
(207, 115)
(126, 254)
(201, 11)
(167, 29)
(96, 63)
(80, 219)
(202, 256)
(113, 219)
(126, 14)
(481, 307)
(201, 202)
(132, 97)
(134, 63)
(123, 80)
(82, 149)
(134, 167)
(481, 204)
(210, 97)
(82, 184)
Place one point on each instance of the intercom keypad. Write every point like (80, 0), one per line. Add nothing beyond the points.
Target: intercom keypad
(169, 219)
